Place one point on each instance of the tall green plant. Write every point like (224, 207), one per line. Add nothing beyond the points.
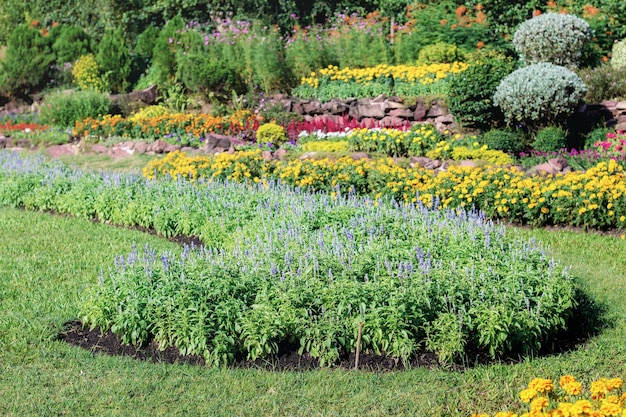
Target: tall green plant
(115, 61)
(26, 67)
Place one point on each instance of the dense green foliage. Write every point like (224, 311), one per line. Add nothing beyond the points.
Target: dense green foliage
(114, 61)
(549, 139)
(64, 110)
(470, 93)
(505, 140)
(26, 67)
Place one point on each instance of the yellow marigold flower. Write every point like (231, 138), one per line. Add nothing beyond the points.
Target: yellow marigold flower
(539, 403)
(528, 394)
(609, 409)
(573, 388)
(541, 385)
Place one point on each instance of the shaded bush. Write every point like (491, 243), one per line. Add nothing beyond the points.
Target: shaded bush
(549, 139)
(470, 93)
(115, 61)
(504, 140)
(26, 67)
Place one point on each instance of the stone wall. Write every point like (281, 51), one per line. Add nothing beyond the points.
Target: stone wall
(383, 111)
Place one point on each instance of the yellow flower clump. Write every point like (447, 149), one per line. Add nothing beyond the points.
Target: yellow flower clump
(86, 73)
(423, 74)
(595, 198)
(604, 399)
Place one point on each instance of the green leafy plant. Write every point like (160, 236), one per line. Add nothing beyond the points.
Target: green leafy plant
(26, 67)
(114, 61)
(63, 109)
(470, 93)
(440, 52)
(551, 138)
(505, 140)
(604, 82)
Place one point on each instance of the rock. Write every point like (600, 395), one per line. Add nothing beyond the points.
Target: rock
(621, 105)
(215, 140)
(335, 107)
(380, 99)
(158, 146)
(433, 164)
(390, 104)
(374, 109)
(280, 154)
(141, 147)
(24, 143)
(468, 163)
(545, 169)
(147, 96)
(420, 161)
(171, 148)
(128, 145)
(369, 122)
(621, 126)
(298, 108)
(312, 107)
(117, 152)
(267, 156)
(420, 111)
(187, 149)
(404, 113)
(217, 150)
(57, 151)
(360, 155)
(97, 148)
(558, 163)
(308, 155)
(4, 142)
(435, 111)
(445, 119)
(391, 121)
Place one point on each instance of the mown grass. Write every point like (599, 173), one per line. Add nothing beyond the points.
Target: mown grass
(46, 262)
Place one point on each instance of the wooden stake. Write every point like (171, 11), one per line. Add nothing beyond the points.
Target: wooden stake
(358, 345)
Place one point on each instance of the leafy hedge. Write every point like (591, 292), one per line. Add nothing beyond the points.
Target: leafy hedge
(284, 266)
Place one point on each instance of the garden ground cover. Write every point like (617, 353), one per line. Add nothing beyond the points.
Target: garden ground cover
(42, 278)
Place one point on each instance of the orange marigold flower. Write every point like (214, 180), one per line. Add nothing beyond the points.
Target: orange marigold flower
(536, 12)
(443, 22)
(461, 10)
(480, 7)
(480, 44)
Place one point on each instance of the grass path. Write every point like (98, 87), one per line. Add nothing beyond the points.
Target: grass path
(46, 262)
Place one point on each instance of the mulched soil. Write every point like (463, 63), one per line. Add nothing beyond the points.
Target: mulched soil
(288, 359)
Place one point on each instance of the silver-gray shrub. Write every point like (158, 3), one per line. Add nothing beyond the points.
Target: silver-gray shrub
(556, 38)
(539, 95)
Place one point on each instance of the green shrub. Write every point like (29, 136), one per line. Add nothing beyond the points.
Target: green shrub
(164, 52)
(146, 42)
(539, 95)
(604, 82)
(63, 109)
(115, 61)
(618, 54)
(26, 67)
(504, 140)
(201, 73)
(71, 42)
(556, 38)
(440, 52)
(549, 139)
(271, 133)
(470, 93)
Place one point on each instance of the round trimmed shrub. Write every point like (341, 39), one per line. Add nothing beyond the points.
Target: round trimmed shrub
(553, 37)
(618, 54)
(539, 95)
(549, 139)
(271, 133)
(470, 93)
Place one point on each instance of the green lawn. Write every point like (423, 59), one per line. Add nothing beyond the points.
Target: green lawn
(46, 262)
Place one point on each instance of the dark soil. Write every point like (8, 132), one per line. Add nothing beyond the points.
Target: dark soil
(108, 343)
